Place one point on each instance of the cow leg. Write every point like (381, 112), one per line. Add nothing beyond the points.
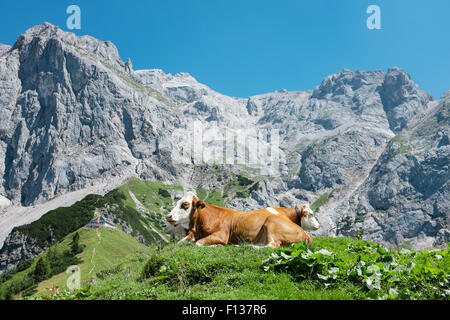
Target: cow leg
(299, 235)
(189, 237)
(266, 237)
(307, 237)
(215, 238)
(284, 233)
(273, 231)
(273, 242)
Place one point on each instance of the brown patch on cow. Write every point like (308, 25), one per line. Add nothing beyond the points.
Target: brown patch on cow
(194, 218)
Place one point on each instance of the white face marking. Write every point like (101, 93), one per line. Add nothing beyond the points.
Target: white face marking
(272, 210)
(309, 222)
(180, 213)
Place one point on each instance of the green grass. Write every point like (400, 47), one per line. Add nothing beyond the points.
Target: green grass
(124, 269)
(154, 196)
(321, 201)
(186, 271)
(190, 272)
(215, 197)
(103, 249)
(403, 147)
(202, 193)
(240, 187)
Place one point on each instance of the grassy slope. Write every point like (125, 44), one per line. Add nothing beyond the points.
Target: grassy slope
(186, 271)
(104, 249)
(110, 248)
(224, 272)
(153, 195)
(58, 223)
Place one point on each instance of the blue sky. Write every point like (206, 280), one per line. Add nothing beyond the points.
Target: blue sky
(247, 47)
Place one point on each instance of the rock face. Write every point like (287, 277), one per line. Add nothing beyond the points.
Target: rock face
(406, 196)
(73, 114)
(4, 203)
(18, 247)
(402, 106)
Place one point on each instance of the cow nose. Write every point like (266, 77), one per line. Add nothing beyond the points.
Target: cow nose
(169, 217)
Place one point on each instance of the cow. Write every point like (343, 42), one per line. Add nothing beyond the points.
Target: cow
(210, 224)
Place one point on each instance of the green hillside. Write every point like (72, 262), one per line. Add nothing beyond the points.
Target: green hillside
(56, 224)
(101, 249)
(104, 249)
(118, 203)
(155, 198)
(330, 268)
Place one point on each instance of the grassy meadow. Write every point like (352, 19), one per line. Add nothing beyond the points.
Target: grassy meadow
(187, 271)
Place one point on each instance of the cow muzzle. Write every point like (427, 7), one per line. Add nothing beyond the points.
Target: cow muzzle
(170, 220)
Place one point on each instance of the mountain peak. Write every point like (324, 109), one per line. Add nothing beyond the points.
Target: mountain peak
(43, 31)
(44, 28)
(446, 95)
(344, 82)
(87, 45)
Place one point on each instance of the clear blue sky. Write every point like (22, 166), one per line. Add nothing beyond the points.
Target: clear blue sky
(247, 47)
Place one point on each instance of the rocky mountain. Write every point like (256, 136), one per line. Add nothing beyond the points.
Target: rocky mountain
(368, 148)
(405, 197)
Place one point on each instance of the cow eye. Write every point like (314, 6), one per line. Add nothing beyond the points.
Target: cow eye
(185, 205)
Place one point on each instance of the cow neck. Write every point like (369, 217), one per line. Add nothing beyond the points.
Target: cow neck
(299, 217)
(197, 219)
(193, 220)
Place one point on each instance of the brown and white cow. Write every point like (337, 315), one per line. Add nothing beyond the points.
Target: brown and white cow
(210, 224)
(302, 216)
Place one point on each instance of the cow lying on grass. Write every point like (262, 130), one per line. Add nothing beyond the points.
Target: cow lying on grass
(209, 224)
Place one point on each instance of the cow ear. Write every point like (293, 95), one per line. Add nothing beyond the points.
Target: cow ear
(302, 209)
(200, 204)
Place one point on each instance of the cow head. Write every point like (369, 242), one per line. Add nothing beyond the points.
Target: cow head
(182, 210)
(309, 222)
